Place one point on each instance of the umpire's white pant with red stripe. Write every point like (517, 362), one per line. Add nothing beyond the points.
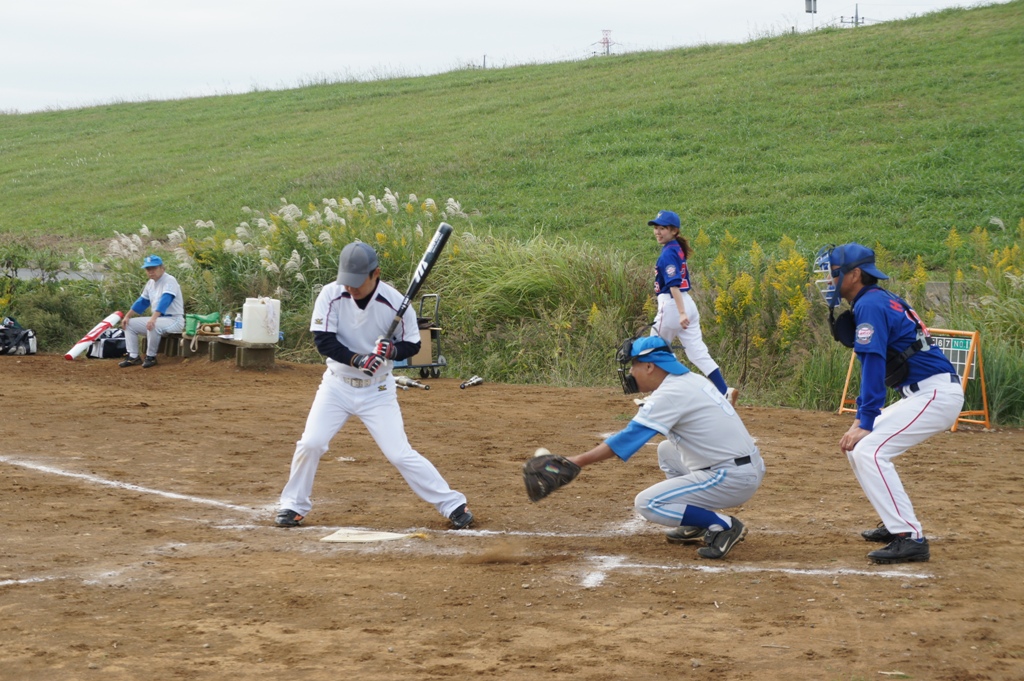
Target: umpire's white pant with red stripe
(913, 419)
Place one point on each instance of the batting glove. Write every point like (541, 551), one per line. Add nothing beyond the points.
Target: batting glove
(368, 364)
(386, 348)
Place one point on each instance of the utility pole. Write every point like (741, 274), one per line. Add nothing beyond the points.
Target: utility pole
(856, 21)
(811, 7)
(606, 41)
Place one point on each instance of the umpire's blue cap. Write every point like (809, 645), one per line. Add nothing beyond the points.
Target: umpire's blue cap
(665, 218)
(152, 261)
(654, 349)
(853, 255)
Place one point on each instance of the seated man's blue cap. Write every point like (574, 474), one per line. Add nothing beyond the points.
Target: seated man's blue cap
(665, 218)
(852, 255)
(356, 262)
(152, 261)
(654, 349)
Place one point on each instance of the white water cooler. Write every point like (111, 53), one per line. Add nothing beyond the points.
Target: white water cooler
(261, 320)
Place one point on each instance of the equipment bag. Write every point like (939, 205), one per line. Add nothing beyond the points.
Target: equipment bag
(17, 341)
(110, 345)
(203, 324)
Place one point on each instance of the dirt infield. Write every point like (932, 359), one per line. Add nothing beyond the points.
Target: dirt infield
(137, 543)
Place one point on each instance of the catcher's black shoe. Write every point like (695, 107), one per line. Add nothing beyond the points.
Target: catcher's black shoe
(879, 534)
(685, 534)
(720, 543)
(149, 362)
(288, 518)
(460, 518)
(130, 362)
(902, 549)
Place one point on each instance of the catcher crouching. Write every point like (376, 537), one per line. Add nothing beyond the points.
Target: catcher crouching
(709, 459)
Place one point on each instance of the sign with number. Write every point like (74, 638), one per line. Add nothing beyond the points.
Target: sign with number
(957, 350)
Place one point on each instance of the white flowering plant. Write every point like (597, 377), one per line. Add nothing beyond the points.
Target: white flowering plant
(287, 253)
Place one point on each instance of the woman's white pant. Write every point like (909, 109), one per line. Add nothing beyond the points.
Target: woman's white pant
(666, 325)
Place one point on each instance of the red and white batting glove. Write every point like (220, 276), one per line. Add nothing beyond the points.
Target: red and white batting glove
(368, 364)
(386, 348)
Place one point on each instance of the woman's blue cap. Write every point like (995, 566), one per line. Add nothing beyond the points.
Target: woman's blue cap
(665, 218)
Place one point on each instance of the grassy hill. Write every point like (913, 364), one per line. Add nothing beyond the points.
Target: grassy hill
(894, 133)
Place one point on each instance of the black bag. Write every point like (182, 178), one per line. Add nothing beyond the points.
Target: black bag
(110, 345)
(17, 341)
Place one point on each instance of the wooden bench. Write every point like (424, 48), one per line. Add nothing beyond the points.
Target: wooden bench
(217, 348)
(246, 354)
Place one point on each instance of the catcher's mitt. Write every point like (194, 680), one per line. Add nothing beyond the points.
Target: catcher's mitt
(546, 473)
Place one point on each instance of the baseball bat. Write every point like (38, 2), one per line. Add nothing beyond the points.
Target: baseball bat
(444, 230)
(476, 380)
(82, 345)
(406, 382)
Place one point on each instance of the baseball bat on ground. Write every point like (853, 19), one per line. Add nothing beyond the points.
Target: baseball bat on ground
(444, 230)
(476, 380)
(406, 382)
(82, 345)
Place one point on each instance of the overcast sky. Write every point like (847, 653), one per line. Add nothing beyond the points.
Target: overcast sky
(73, 53)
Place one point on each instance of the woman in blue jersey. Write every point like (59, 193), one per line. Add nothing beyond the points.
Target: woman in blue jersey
(678, 316)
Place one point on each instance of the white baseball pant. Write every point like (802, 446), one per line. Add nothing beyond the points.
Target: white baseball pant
(710, 489)
(666, 325)
(377, 407)
(903, 424)
(137, 327)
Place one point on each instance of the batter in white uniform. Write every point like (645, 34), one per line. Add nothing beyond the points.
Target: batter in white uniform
(163, 294)
(709, 459)
(349, 319)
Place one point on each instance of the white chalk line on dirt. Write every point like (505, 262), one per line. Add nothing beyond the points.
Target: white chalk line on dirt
(606, 564)
(95, 479)
(591, 579)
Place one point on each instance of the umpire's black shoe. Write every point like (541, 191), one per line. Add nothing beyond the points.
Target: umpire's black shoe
(130, 362)
(902, 549)
(460, 518)
(288, 518)
(685, 534)
(719, 544)
(879, 534)
(149, 362)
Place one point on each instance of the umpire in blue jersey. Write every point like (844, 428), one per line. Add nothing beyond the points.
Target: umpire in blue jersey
(895, 351)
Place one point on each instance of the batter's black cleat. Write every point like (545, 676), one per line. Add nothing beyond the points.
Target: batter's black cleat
(149, 362)
(719, 544)
(685, 534)
(130, 362)
(902, 549)
(460, 518)
(288, 518)
(879, 534)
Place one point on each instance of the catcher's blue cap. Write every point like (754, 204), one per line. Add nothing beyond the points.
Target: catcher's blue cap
(665, 218)
(654, 349)
(853, 255)
(152, 261)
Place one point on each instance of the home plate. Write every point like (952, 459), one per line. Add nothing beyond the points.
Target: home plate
(351, 534)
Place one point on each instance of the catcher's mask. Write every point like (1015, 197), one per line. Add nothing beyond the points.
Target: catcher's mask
(645, 349)
(832, 262)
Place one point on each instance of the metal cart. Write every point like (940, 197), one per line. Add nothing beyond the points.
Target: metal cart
(429, 359)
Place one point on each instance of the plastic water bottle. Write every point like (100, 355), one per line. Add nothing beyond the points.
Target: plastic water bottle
(225, 325)
(238, 326)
